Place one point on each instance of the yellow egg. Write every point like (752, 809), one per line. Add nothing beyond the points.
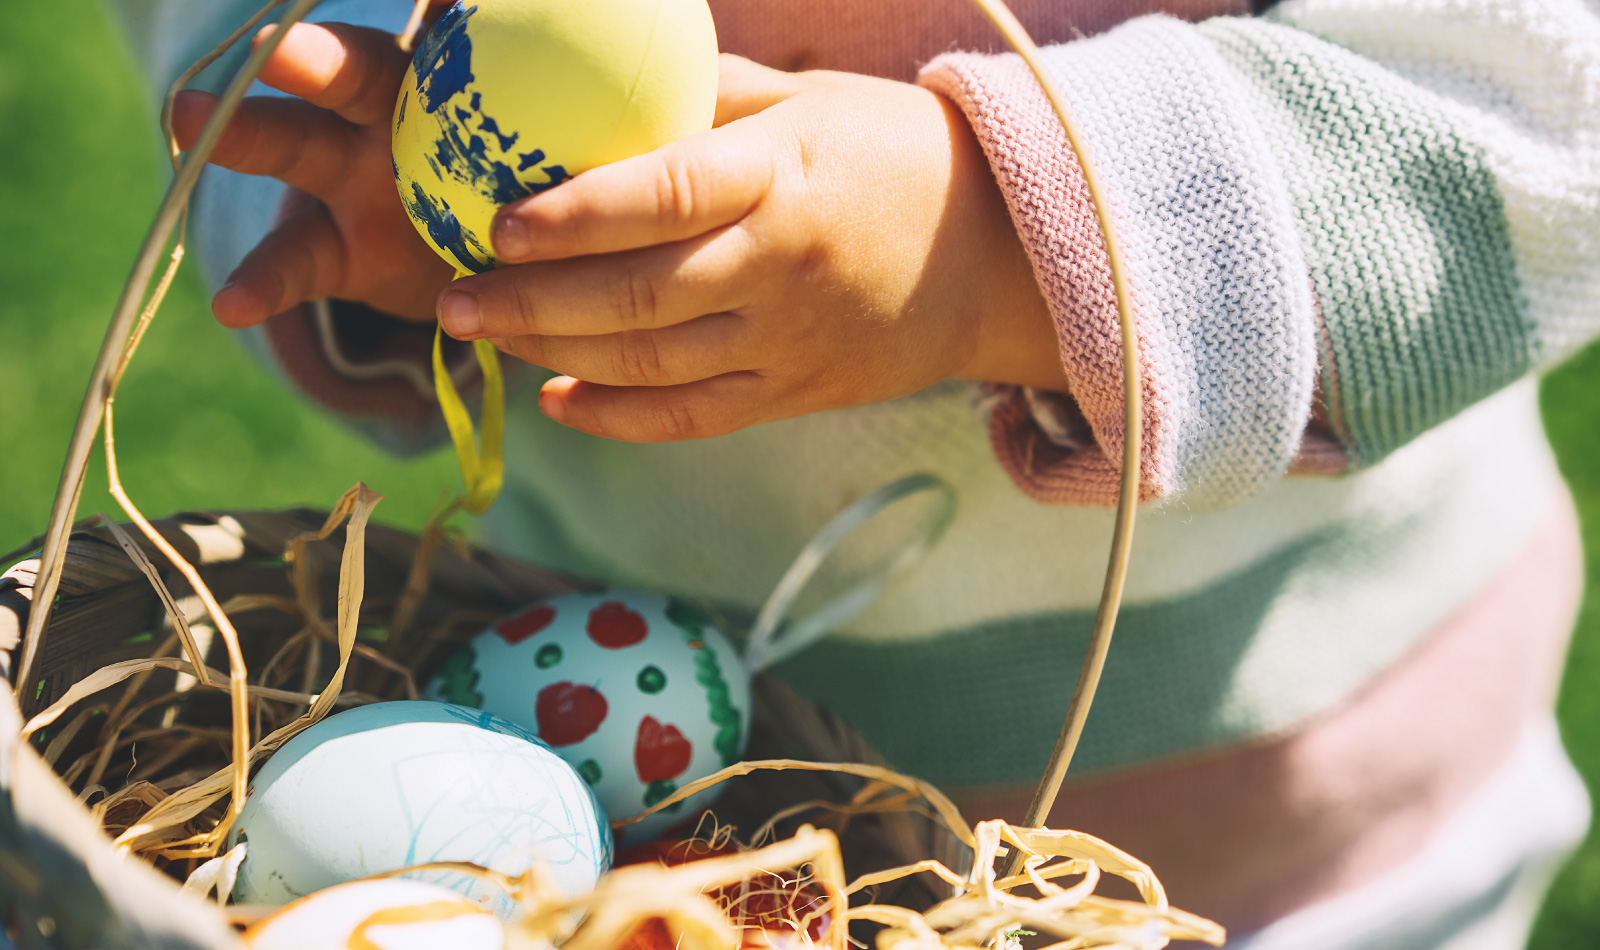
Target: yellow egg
(507, 98)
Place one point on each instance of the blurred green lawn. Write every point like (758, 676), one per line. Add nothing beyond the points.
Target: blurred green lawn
(200, 426)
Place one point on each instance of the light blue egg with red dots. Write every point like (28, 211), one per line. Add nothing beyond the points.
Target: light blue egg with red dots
(640, 693)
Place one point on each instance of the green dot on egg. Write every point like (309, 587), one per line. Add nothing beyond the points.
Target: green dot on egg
(549, 655)
(660, 789)
(652, 680)
(589, 771)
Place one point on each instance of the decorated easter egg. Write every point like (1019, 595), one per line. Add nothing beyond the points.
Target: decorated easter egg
(640, 693)
(507, 98)
(387, 786)
(388, 914)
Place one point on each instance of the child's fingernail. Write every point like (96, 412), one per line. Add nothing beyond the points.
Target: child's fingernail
(458, 311)
(552, 406)
(231, 298)
(510, 237)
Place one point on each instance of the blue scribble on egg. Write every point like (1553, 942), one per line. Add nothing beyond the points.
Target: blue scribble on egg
(471, 146)
(493, 128)
(443, 59)
(445, 230)
(387, 786)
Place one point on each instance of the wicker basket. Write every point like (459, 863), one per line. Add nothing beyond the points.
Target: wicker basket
(66, 887)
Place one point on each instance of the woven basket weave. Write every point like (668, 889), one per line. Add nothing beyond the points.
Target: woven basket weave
(65, 886)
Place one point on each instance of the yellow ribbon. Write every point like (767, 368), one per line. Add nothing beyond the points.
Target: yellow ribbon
(483, 468)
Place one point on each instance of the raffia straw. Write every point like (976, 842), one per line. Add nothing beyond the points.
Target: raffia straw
(174, 153)
(153, 832)
(942, 805)
(114, 673)
(416, 585)
(59, 744)
(135, 684)
(896, 803)
(629, 896)
(981, 910)
(113, 346)
(180, 623)
(1132, 429)
(408, 36)
(985, 907)
(238, 675)
(111, 736)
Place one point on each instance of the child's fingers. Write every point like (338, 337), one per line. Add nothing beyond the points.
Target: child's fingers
(298, 144)
(633, 290)
(351, 70)
(745, 88)
(699, 349)
(698, 410)
(675, 192)
(303, 259)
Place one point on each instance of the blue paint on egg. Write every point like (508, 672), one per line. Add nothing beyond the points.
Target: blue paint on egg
(466, 158)
(443, 59)
(446, 231)
(493, 128)
(469, 145)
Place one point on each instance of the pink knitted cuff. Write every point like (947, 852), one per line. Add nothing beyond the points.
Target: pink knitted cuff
(1045, 191)
(1202, 382)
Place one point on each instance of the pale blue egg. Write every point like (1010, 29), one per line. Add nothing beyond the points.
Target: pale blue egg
(382, 787)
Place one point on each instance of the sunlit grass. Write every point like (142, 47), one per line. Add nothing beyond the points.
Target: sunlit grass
(199, 425)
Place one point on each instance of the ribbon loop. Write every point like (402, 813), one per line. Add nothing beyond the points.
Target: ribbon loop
(767, 646)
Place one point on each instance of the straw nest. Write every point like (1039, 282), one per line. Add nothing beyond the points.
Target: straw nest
(815, 840)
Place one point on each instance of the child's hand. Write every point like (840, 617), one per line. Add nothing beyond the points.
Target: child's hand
(356, 243)
(839, 241)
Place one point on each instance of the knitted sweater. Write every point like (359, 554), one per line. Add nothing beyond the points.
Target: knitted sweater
(1352, 227)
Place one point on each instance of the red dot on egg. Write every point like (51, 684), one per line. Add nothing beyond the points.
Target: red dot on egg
(660, 751)
(515, 629)
(569, 713)
(614, 626)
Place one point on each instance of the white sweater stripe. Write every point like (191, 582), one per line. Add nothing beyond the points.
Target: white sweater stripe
(1219, 278)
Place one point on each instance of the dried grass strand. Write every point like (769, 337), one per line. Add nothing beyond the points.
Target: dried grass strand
(180, 623)
(408, 36)
(356, 505)
(946, 809)
(174, 153)
(113, 673)
(238, 674)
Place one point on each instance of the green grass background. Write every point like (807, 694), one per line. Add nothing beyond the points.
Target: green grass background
(200, 426)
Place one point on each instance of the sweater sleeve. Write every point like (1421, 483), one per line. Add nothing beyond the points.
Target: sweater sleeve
(1364, 215)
